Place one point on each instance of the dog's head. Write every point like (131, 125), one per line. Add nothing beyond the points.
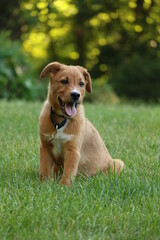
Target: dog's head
(67, 87)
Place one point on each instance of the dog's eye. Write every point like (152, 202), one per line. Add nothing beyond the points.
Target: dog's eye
(65, 81)
(81, 84)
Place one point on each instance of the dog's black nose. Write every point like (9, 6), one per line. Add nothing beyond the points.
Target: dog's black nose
(75, 95)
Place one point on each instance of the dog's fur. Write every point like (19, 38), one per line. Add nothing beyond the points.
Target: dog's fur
(76, 147)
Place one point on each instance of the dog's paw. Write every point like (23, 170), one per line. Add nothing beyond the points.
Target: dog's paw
(43, 177)
(118, 166)
(64, 181)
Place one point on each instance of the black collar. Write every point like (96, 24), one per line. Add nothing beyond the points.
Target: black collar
(57, 125)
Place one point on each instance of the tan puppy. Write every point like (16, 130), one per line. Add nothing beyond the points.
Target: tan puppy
(69, 142)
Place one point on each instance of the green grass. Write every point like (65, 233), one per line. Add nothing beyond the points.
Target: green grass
(125, 207)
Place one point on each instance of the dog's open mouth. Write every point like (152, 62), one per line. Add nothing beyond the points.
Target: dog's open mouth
(69, 108)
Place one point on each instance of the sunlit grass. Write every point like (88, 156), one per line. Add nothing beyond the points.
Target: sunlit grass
(125, 207)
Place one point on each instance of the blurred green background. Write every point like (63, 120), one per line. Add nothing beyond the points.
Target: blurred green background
(117, 41)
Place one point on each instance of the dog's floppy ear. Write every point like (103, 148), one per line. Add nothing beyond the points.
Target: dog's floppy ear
(87, 77)
(51, 68)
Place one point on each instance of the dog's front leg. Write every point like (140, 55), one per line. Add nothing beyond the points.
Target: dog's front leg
(71, 161)
(46, 162)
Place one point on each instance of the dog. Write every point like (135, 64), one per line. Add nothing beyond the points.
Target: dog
(69, 143)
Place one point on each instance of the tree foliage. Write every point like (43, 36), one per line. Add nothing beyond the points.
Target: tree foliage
(104, 36)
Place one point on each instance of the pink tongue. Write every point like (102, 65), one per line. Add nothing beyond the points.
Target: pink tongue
(70, 109)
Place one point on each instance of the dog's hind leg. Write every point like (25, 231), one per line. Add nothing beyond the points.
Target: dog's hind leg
(115, 166)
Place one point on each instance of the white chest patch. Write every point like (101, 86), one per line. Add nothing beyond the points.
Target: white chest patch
(58, 141)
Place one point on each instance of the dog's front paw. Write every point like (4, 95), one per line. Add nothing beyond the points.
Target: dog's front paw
(64, 181)
(44, 177)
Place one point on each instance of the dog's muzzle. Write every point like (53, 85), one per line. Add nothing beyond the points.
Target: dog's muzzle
(75, 95)
(70, 108)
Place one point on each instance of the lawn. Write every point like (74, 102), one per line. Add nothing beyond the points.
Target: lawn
(125, 207)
